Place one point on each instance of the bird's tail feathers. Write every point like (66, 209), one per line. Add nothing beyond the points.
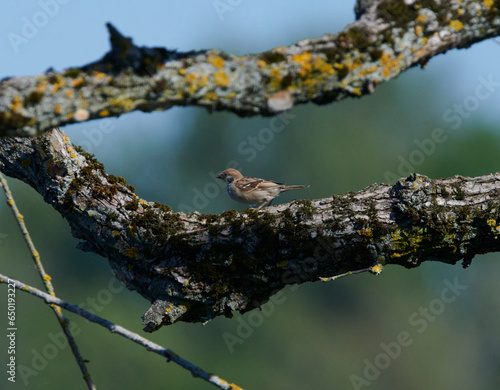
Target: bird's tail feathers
(297, 186)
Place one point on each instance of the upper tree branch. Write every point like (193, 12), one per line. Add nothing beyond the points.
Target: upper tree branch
(389, 37)
(195, 266)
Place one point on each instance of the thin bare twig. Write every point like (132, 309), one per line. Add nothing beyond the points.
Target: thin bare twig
(113, 328)
(64, 322)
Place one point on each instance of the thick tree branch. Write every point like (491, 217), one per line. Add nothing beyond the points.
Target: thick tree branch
(389, 37)
(195, 266)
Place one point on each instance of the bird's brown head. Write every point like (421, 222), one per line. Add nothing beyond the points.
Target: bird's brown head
(230, 175)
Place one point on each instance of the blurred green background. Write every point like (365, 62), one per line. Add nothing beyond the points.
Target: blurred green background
(315, 335)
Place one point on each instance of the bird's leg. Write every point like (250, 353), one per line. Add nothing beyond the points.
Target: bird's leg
(262, 205)
(271, 201)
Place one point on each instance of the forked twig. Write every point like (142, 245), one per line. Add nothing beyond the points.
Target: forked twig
(64, 322)
(113, 328)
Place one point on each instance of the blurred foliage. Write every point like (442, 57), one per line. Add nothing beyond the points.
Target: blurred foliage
(317, 335)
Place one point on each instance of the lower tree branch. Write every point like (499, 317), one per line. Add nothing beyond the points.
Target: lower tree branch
(195, 266)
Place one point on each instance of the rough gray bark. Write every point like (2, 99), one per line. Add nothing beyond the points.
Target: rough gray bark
(389, 37)
(193, 267)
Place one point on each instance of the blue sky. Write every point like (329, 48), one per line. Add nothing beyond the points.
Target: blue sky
(71, 32)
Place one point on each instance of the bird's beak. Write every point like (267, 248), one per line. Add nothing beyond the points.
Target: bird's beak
(219, 176)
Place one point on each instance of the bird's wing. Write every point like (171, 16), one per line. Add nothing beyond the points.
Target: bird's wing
(266, 184)
(249, 184)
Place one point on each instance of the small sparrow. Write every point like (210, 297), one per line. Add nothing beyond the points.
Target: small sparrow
(251, 190)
